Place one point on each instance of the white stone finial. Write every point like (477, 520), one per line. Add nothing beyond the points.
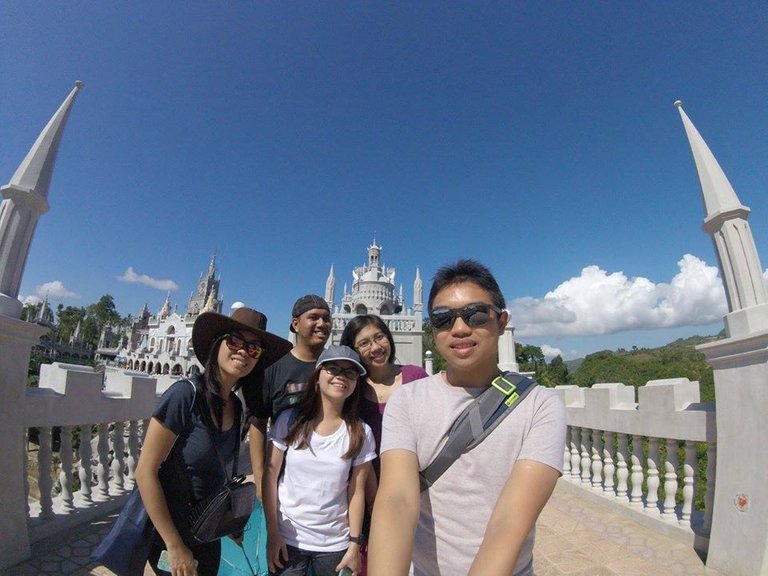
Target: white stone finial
(678, 103)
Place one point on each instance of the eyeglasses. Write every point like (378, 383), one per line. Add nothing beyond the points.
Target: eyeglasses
(253, 348)
(364, 345)
(474, 315)
(336, 370)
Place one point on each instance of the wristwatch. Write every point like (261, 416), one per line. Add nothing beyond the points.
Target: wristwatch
(356, 539)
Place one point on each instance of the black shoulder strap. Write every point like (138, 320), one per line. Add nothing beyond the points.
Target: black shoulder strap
(478, 420)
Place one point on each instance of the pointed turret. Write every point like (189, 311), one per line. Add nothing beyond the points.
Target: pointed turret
(418, 288)
(330, 286)
(166, 309)
(210, 305)
(726, 222)
(41, 317)
(75, 336)
(212, 266)
(25, 199)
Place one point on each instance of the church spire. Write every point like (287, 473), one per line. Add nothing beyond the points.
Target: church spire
(25, 199)
(726, 222)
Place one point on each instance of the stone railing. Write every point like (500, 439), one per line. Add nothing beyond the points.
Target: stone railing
(104, 415)
(622, 450)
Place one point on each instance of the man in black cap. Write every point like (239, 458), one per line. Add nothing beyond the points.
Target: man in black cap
(285, 380)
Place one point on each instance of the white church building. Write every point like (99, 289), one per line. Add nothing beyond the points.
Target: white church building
(373, 292)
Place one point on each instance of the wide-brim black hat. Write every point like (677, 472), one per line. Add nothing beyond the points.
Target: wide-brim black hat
(210, 326)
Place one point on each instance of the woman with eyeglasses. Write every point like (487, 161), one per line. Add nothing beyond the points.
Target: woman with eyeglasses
(314, 508)
(197, 421)
(369, 335)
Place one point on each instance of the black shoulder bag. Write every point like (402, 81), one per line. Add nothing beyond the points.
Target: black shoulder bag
(478, 420)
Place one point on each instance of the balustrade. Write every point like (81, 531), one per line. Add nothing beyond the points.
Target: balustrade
(646, 454)
(630, 453)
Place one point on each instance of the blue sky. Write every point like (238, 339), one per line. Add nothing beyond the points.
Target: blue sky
(540, 138)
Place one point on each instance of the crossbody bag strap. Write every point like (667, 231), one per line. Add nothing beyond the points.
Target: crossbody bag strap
(236, 456)
(478, 420)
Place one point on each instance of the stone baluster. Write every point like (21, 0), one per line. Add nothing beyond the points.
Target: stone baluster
(709, 496)
(102, 470)
(586, 458)
(133, 450)
(575, 457)
(608, 469)
(84, 470)
(622, 472)
(118, 456)
(65, 472)
(670, 482)
(44, 480)
(597, 461)
(689, 476)
(652, 499)
(636, 496)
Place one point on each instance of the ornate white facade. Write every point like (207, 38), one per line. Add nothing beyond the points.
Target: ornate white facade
(373, 292)
(162, 344)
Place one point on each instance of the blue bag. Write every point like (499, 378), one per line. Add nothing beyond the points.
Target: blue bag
(126, 548)
(248, 559)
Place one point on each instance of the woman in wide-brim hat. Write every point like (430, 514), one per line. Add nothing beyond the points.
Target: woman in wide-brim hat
(194, 420)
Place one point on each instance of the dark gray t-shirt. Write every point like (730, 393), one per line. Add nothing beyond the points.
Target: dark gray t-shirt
(284, 383)
(193, 453)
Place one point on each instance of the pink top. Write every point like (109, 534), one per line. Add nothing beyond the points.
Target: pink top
(372, 413)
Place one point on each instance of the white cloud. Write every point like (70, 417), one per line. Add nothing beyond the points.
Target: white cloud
(131, 277)
(597, 302)
(550, 351)
(55, 290)
(30, 299)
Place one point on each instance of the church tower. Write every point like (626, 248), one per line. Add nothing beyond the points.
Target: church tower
(206, 297)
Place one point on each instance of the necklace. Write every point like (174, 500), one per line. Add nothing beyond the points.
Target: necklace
(382, 390)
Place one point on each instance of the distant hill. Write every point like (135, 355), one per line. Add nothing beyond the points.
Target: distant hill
(678, 359)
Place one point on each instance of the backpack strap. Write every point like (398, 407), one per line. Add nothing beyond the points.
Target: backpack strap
(476, 421)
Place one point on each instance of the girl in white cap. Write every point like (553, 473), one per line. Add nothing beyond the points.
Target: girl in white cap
(314, 510)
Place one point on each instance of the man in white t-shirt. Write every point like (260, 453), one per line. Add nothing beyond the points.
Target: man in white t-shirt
(479, 517)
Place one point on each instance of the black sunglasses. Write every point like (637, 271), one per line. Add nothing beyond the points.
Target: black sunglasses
(253, 348)
(336, 370)
(474, 315)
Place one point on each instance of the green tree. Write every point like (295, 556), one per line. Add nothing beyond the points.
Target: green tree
(558, 371)
(30, 311)
(428, 343)
(104, 311)
(67, 319)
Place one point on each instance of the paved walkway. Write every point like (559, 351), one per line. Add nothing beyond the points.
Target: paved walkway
(575, 538)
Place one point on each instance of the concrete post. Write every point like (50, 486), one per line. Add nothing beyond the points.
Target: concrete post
(738, 543)
(16, 341)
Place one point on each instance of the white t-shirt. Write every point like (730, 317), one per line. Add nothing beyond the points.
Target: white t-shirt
(455, 510)
(312, 493)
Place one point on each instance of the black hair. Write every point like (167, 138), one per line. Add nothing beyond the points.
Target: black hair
(466, 270)
(353, 327)
(209, 385)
